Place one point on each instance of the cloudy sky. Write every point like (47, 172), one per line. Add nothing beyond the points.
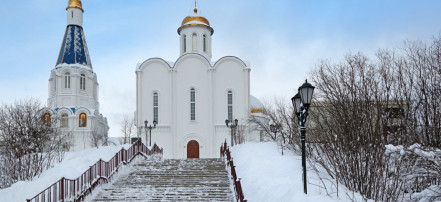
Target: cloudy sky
(281, 39)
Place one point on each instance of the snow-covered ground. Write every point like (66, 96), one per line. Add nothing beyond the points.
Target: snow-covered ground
(265, 174)
(73, 165)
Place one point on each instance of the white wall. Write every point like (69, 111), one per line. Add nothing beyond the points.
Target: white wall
(173, 84)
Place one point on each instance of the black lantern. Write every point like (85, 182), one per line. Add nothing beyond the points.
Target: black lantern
(150, 129)
(296, 102)
(306, 91)
(233, 127)
(301, 102)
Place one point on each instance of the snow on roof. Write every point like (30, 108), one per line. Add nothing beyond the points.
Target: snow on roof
(255, 105)
(196, 22)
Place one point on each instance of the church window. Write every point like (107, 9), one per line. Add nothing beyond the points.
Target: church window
(230, 106)
(83, 82)
(67, 80)
(192, 104)
(64, 121)
(184, 43)
(194, 42)
(205, 43)
(82, 120)
(72, 14)
(155, 107)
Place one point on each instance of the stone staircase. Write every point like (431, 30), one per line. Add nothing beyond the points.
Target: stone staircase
(170, 180)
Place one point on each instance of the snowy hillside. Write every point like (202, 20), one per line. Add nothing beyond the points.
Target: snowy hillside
(73, 165)
(265, 174)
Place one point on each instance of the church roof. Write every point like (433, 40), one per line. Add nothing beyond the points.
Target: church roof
(74, 48)
(256, 106)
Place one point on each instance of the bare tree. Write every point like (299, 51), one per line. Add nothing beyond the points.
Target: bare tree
(363, 104)
(279, 111)
(127, 128)
(31, 143)
(96, 137)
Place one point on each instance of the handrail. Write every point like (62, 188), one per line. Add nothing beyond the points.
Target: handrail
(224, 150)
(100, 172)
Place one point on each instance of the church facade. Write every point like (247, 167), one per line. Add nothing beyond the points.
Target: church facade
(73, 87)
(191, 98)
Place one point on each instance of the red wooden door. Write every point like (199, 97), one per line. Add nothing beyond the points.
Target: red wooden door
(193, 149)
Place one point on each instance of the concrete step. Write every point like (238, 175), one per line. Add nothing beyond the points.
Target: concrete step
(171, 180)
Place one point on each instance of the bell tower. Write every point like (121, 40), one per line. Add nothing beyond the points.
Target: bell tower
(74, 13)
(195, 33)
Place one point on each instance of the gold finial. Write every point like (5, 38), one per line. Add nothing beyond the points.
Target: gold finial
(75, 4)
(195, 9)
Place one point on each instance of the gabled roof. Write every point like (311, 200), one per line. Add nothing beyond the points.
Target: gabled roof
(74, 47)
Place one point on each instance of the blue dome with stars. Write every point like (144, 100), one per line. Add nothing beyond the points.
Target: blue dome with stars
(74, 48)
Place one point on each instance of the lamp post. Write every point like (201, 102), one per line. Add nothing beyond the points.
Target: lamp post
(301, 102)
(275, 128)
(233, 127)
(150, 128)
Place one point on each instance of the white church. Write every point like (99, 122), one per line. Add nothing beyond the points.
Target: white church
(73, 87)
(191, 98)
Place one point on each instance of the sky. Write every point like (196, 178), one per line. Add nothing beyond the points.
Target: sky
(282, 40)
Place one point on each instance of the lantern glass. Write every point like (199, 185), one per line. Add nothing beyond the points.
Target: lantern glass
(145, 123)
(226, 122)
(236, 122)
(306, 91)
(296, 101)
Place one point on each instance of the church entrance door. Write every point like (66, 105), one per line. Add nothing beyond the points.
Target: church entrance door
(193, 149)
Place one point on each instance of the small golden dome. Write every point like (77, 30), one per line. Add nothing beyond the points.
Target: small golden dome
(195, 18)
(75, 4)
(190, 21)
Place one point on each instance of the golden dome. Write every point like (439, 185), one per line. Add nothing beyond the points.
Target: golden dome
(75, 4)
(195, 18)
(197, 21)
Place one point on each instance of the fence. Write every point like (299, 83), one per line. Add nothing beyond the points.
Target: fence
(225, 151)
(75, 190)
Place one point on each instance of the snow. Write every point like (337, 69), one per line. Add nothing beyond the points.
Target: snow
(266, 175)
(73, 165)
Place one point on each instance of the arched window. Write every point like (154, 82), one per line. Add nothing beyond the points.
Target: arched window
(64, 121)
(192, 104)
(82, 120)
(155, 107)
(230, 106)
(194, 42)
(184, 43)
(46, 118)
(205, 43)
(67, 80)
(83, 82)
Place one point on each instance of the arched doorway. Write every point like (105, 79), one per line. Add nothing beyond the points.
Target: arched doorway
(193, 149)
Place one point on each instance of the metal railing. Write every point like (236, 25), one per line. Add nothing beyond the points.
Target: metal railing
(225, 151)
(100, 172)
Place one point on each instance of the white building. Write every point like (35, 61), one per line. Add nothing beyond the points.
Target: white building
(73, 86)
(192, 97)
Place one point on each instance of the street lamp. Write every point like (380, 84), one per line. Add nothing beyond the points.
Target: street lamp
(301, 102)
(275, 128)
(233, 127)
(150, 128)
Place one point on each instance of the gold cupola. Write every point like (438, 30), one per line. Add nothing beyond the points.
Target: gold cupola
(195, 21)
(75, 4)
